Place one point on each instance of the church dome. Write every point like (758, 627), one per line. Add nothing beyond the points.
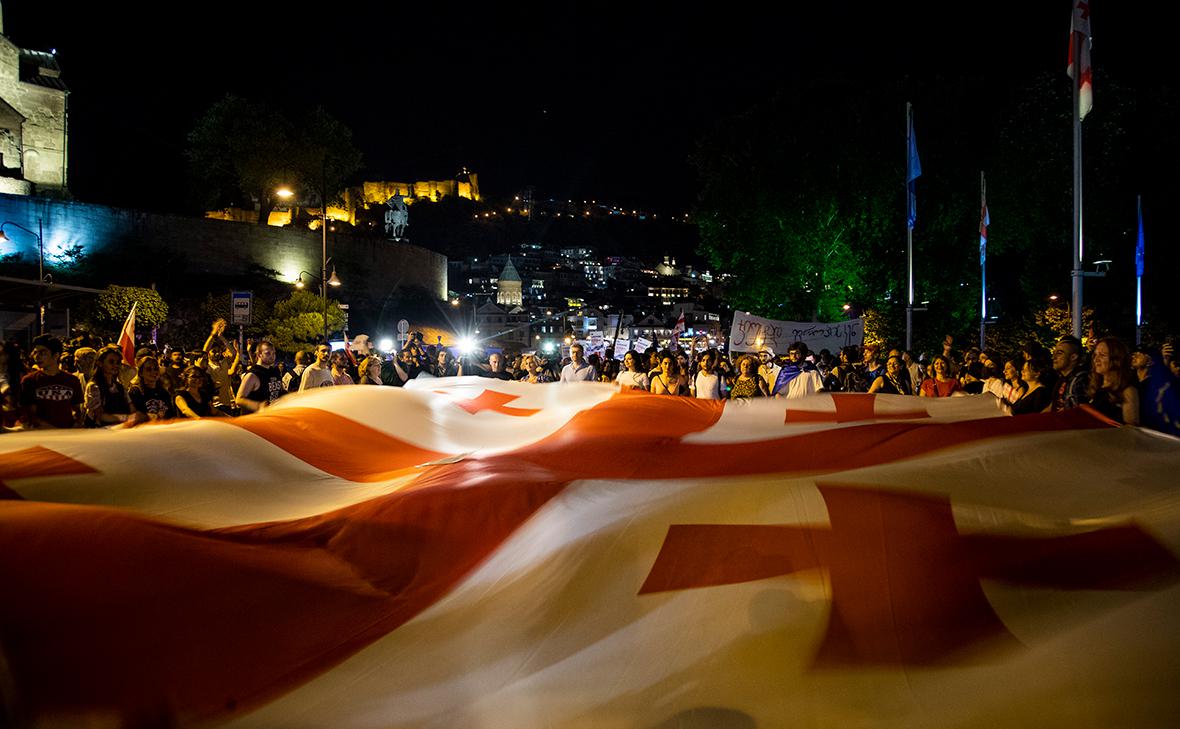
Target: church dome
(509, 273)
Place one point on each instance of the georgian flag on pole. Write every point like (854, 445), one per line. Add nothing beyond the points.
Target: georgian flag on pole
(1079, 32)
(465, 552)
(127, 337)
(678, 330)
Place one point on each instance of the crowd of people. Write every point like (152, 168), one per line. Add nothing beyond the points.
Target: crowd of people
(87, 384)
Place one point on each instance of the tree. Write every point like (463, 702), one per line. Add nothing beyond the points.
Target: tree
(298, 321)
(798, 206)
(109, 309)
(242, 150)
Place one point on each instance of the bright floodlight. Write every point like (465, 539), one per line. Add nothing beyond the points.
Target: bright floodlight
(385, 345)
(547, 347)
(284, 193)
(466, 345)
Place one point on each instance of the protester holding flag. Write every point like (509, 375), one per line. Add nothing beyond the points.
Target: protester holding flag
(632, 376)
(1013, 387)
(749, 382)
(667, 380)
(1112, 389)
(893, 381)
(106, 398)
(943, 383)
(262, 384)
(192, 400)
(708, 383)
(1035, 372)
(149, 400)
(50, 398)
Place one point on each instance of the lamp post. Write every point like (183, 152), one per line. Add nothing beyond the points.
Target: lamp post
(325, 281)
(40, 233)
(332, 280)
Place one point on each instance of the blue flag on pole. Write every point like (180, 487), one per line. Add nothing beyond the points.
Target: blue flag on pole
(913, 171)
(1139, 244)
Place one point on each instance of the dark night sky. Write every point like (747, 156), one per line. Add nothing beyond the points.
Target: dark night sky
(596, 100)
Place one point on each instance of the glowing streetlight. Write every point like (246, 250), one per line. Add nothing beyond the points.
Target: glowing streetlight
(285, 193)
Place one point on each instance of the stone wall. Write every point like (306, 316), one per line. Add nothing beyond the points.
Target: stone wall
(44, 133)
(221, 247)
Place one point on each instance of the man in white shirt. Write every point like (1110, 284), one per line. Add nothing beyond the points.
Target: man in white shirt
(708, 383)
(318, 373)
(767, 367)
(578, 369)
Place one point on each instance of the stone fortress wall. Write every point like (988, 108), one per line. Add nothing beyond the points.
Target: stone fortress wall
(218, 247)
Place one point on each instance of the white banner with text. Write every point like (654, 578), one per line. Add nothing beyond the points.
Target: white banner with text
(750, 333)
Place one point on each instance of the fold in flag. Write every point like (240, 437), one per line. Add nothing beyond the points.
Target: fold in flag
(465, 552)
(913, 171)
(1079, 33)
(127, 337)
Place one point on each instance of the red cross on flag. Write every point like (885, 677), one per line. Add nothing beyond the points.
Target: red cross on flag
(469, 552)
(1079, 53)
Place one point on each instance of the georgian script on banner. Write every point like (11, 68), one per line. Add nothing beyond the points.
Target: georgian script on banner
(750, 333)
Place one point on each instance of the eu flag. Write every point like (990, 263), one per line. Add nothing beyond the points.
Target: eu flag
(1139, 244)
(913, 171)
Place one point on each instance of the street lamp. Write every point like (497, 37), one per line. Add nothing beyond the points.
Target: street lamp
(333, 280)
(40, 233)
(285, 193)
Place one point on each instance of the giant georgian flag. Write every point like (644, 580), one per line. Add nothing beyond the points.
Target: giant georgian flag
(476, 553)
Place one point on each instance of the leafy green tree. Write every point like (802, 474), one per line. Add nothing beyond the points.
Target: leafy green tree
(112, 305)
(800, 205)
(242, 150)
(298, 321)
(105, 314)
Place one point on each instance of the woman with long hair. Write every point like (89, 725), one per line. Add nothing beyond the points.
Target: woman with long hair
(193, 399)
(667, 381)
(749, 382)
(1014, 387)
(149, 399)
(943, 383)
(1035, 372)
(1113, 390)
(106, 400)
(632, 374)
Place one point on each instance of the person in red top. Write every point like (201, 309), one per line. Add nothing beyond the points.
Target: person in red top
(943, 383)
(51, 398)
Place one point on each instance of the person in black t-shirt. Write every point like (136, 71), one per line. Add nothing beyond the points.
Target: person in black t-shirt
(149, 399)
(263, 384)
(192, 400)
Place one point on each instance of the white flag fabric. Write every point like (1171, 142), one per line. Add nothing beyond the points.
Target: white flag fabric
(466, 552)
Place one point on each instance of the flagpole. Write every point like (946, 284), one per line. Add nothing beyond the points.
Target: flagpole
(983, 261)
(1077, 187)
(1139, 274)
(909, 232)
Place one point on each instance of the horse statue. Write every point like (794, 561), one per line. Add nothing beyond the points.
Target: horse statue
(397, 217)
